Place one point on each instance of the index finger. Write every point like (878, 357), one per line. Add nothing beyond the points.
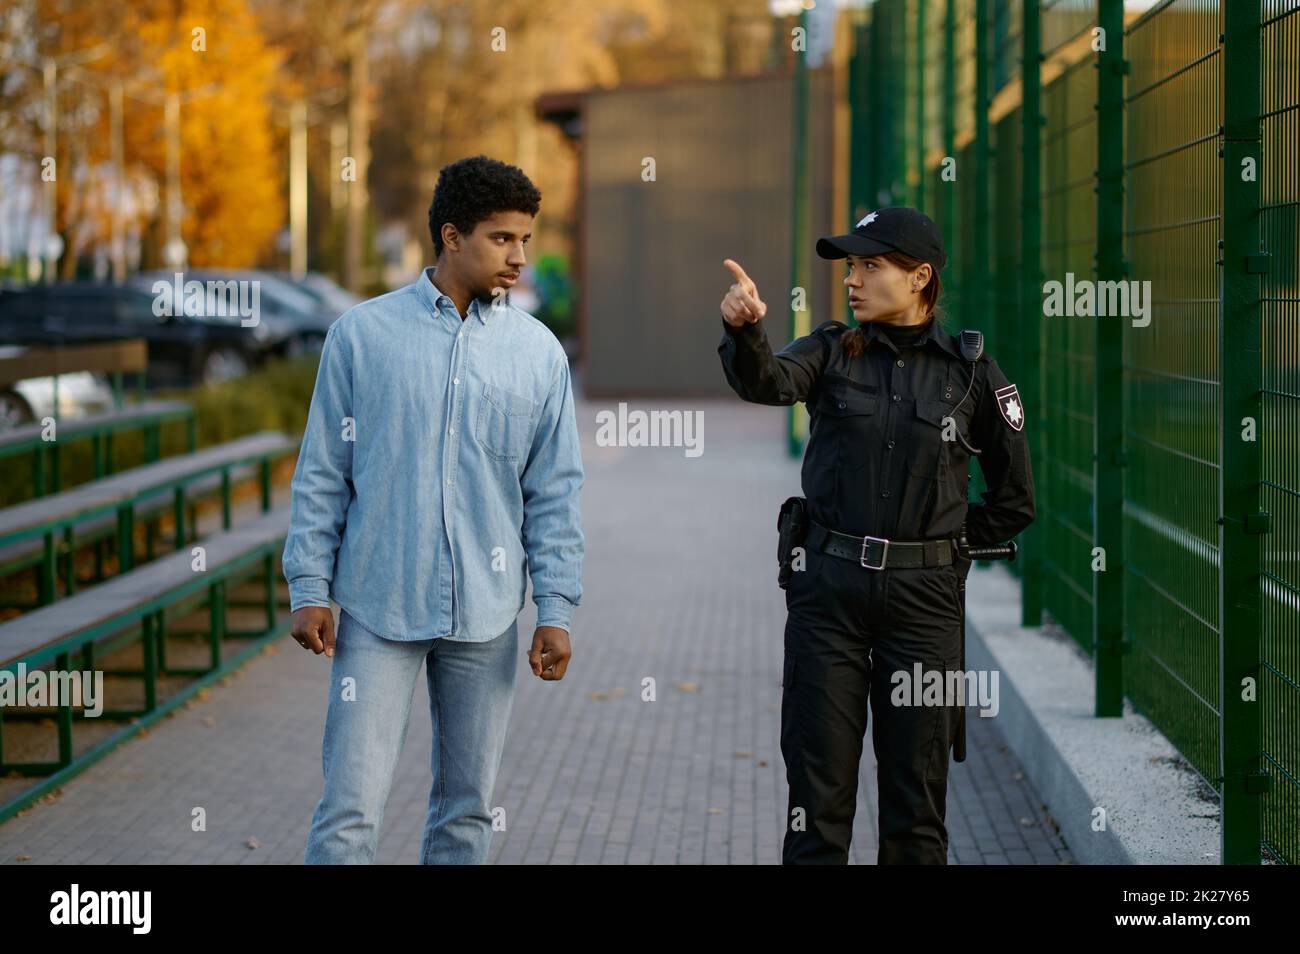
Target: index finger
(313, 641)
(739, 272)
(328, 635)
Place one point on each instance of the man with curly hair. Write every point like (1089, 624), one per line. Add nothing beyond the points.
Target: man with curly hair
(439, 462)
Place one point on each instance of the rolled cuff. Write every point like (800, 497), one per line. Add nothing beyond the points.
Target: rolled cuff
(309, 591)
(554, 611)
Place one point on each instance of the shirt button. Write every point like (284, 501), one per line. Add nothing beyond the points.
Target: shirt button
(451, 430)
(884, 493)
(890, 444)
(896, 397)
(448, 480)
(900, 362)
(455, 380)
(841, 404)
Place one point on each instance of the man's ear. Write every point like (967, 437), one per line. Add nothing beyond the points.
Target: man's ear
(450, 237)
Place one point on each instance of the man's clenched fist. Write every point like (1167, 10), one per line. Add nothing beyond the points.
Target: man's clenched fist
(313, 628)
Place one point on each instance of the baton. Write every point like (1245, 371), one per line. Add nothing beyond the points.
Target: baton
(995, 551)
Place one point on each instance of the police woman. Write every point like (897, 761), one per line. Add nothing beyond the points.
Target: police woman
(896, 408)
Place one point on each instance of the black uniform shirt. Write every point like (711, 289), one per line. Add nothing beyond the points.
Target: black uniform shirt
(877, 462)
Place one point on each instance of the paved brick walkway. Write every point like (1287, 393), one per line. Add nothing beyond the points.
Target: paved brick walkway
(679, 585)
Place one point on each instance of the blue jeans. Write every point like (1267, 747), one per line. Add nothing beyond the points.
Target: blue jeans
(471, 690)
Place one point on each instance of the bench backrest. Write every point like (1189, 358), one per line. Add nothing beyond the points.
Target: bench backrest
(130, 354)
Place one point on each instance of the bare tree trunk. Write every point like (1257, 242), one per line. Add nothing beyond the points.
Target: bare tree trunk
(359, 145)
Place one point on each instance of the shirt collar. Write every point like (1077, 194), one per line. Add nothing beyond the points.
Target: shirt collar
(932, 336)
(437, 300)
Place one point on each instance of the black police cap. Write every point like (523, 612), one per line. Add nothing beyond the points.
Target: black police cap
(897, 228)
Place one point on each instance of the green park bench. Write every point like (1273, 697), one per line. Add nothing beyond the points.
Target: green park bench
(116, 358)
(103, 618)
(37, 532)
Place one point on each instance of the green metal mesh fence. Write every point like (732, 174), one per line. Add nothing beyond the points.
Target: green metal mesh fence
(1280, 424)
(1131, 431)
(1171, 376)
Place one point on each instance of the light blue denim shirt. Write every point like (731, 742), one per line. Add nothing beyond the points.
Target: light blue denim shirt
(440, 457)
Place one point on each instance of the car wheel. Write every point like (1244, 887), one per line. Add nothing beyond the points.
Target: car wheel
(223, 364)
(14, 410)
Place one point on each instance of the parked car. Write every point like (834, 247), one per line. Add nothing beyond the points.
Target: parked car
(182, 350)
(331, 296)
(297, 320)
(32, 399)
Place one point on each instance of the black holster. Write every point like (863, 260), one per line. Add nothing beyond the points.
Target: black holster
(792, 529)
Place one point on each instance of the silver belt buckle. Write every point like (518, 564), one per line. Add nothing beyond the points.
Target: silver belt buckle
(884, 555)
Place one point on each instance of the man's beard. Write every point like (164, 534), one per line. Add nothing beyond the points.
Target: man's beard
(486, 297)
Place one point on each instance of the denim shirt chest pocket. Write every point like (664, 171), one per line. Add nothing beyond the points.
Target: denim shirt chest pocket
(505, 423)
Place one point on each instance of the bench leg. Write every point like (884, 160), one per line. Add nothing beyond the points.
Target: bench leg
(152, 443)
(216, 619)
(225, 498)
(69, 562)
(64, 719)
(268, 567)
(150, 664)
(56, 474)
(178, 517)
(47, 585)
(160, 634)
(266, 484)
(38, 471)
(125, 540)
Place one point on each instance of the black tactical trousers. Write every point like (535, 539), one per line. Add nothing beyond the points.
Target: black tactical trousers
(848, 631)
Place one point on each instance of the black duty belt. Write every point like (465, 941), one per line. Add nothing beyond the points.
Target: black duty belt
(877, 553)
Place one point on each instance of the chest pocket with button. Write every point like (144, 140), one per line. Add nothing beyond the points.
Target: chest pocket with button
(505, 423)
(928, 452)
(849, 421)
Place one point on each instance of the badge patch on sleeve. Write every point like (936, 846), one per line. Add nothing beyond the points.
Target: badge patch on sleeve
(1013, 412)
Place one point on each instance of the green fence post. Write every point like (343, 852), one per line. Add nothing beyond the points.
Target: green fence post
(921, 63)
(1031, 315)
(899, 146)
(977, 255)
(859, 133)
(1108, 397)
(799, 236)
(948, 208)
(1240, 518)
